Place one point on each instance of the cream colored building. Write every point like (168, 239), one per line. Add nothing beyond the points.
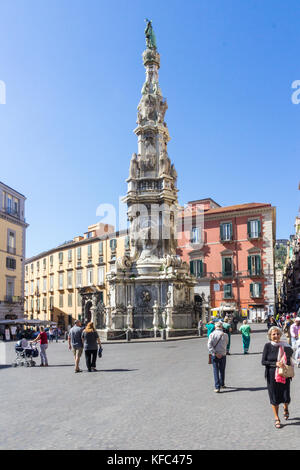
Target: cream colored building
(12, 252)
(55, 280)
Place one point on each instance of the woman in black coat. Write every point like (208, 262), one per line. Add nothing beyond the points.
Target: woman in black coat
(278, 392)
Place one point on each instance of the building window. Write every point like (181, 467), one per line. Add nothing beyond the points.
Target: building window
(79, 279)
(254, 265)
(61, 300)
(61, 281)
(227, 266)
(196, 267)
(51, 282)
(26, 288)
(37, 287)
(90, 251)
(78, 300)
(44, 263)
(113, 244)
(254, 228)
(60, 257)
(44, 284)
(51, 261)
(100, 275)
(256, 289)
(51, 302)
(100, 248)
(79, 253)
(31, 287)
(11, 263)
(226, 232)
(195, 235)
(70, 300)
(70, 280)
(227, 290)
(44, 303)
(11, 242)
(10, 289)
(89, 277)
(69, 256)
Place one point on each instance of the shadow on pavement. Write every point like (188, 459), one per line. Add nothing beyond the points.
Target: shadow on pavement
(116, 370)
(242, 354)
(243, 389)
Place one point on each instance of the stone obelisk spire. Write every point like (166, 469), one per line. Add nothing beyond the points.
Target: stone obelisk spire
(151, 286)
(152, 177)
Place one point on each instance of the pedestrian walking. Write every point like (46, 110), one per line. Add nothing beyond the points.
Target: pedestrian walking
(245, 330)
(210, 326)
(297, 353)
(13, 330)
(295, 329)
(277, 355)
(227, 328)
(287, 329)
(75, 343)
(43, 339)
(217, 346)
(91, 340)
(51, 334)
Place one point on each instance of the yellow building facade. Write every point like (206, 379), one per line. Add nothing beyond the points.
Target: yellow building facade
(57, 280)
(12, 252)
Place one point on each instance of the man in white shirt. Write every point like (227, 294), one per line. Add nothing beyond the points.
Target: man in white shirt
(217, 347)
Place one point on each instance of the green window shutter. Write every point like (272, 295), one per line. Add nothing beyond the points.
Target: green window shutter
(260, 289)
(223, 266)
(221, 232)
(251, 289)
(231, 232)
(259, 228)
(249, 228)
(192, 267)
(227, 291)
(199, 268)
(258, 264)
(249, 264)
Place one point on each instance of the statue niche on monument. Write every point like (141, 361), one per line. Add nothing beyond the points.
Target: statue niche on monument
(164, 163)
(133, 169)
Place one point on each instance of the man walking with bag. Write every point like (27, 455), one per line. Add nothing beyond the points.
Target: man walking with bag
(75, 343)
(217, 347)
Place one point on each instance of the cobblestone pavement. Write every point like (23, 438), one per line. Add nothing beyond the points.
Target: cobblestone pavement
(155, 395)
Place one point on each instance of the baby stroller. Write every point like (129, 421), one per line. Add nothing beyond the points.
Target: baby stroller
(24, 356)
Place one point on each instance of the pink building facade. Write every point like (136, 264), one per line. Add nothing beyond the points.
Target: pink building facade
(230, 251)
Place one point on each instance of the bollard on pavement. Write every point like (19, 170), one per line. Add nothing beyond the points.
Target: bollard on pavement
(128, 335)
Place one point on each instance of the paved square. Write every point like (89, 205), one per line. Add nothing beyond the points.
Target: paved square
(145, 396)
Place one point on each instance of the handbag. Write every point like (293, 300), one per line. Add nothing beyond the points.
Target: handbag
(100, 350)
(287, 372)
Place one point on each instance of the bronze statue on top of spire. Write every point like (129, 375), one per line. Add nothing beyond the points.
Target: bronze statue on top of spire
(150, 36)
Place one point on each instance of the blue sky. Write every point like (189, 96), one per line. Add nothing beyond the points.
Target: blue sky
(73, 73)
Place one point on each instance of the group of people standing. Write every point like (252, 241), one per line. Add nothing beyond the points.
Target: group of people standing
(79, 339)
(277, 358)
